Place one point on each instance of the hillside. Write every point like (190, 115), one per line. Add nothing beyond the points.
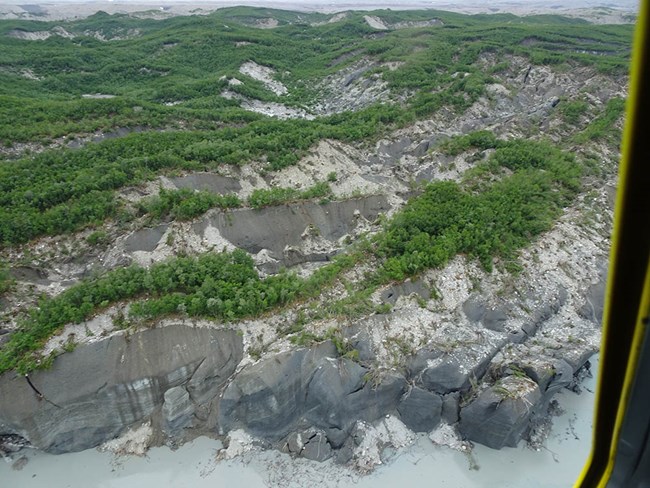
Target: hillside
(294, 224)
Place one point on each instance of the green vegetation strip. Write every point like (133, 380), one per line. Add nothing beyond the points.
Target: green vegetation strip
(277, 196)
(185, 204)
(217, 285)
(603, 126)
(534, 181)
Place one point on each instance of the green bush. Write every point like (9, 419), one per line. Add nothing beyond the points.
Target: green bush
(185, 204)
(572, 111)
(447, 219)
(480, 139)
(214, 285)
(276, 196)
(97, 237)
(603, 126)
(6, 280)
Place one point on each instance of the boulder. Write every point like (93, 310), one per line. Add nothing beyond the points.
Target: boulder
(550, 374)
(500, 415)
(295, 442)
(420, 410)
(491, 318)
(450, 407)
(446, 371)
(445, 375)
(336, 437)
(345, 454)
(359, 339)
(177, 410)
(408, 287)
(563, 377)
(577, 356)
(474, 309)
(268, 398)
(494, 319)
(145, 239)
(317, 448)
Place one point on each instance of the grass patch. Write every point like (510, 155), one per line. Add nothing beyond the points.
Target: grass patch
(603, 126)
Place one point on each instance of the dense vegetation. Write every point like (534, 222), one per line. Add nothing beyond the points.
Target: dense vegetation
(6, 281)
(61, 191)
(165, 80)
(604, 126)
(277, 196)
(229, 280)
(168, 74)
(449, 219)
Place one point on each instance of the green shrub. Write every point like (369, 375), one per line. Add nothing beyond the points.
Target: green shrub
(97, 237)
(185, 204)
(480, 139)
(6, 280)
(447, 219)
(572, 111)
(224, 286)
(276, 196)
(603, 126)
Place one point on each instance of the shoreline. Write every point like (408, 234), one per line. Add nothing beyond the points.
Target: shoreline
(195, 464)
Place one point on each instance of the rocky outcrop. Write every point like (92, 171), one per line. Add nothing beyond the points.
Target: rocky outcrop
(485, 351)
(177, 410)
(420, 410)
(594, 304)
(379, 24)
(351, 88)
(282, 228)
(268, 397)
(500, 414)
(307, 401)
(488, 362)
(405, 289)
(317, 448)
(265, 75)
(519, 383)
(95, 392)
(441, 372)
(306, 388)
